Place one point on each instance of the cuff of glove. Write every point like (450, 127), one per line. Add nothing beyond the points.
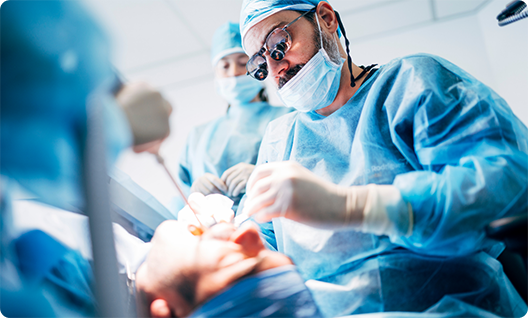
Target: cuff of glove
(383, 210)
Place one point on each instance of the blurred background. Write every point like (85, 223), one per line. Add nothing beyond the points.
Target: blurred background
(167, 43)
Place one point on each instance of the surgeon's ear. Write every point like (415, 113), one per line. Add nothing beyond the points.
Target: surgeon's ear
(327, 17)
(160, 308)
(247, 236)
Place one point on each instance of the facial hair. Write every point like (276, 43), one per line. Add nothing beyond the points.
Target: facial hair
(290, 74)
(330, 46)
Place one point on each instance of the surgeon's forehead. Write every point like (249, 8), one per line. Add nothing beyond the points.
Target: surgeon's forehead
(257, 34)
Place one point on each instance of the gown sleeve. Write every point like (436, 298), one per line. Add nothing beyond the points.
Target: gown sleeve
(469, 151)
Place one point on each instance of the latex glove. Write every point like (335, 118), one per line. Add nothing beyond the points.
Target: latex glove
(208, 184)
(289, 190)
(236, 178)
(211, 209)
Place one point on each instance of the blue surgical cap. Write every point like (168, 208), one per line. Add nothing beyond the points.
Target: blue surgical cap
(254, 11)
(226, 40)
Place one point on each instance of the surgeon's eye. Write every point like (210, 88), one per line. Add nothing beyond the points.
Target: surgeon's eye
(261, 74)
(278, 52)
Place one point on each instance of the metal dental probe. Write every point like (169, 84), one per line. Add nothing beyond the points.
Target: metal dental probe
(161, 161)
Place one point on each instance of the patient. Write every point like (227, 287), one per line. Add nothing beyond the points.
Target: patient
(224, 272)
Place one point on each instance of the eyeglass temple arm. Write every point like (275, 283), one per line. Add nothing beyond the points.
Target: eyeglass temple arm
(302, 15)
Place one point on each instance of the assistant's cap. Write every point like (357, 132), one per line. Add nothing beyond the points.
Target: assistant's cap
(226, 40)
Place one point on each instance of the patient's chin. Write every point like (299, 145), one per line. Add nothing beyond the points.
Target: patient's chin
(272, 259)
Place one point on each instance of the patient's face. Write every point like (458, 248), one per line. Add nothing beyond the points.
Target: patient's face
(183, 270)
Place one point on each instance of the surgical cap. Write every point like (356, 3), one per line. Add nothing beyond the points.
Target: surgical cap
(254, 11)
(226, 40)
(54, 56)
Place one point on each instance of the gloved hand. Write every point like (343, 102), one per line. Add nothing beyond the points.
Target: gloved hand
(208, 184)
(289, 190)
(236, 178)
(211, 209)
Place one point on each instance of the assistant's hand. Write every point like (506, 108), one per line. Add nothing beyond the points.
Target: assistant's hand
(208, 184)
(236, 178)
(290, 190)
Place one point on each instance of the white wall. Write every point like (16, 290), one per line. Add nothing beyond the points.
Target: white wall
(496, 56)
(193, 105)
(507, 52)
(459, 41)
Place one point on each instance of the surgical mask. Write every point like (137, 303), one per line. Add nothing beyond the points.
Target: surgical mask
(238, 89)
(316, 85)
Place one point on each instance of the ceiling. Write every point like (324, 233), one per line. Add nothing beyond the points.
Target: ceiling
(167, 42)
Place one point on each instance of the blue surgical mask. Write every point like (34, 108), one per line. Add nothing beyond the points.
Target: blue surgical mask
(238, 89)
(316, 85)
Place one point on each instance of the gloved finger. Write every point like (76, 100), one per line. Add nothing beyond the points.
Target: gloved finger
(260, 187)
(231, 178)
(260, 172)
(235, 185)
(198, 187)
(239, 185)
(228, 173)
(257, 203)
(207, 187)
(266, 214)
(279, 208)
(236, 175)
(218, 184)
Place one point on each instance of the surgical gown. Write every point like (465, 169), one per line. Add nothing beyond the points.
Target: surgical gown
(222, 143)
(457, 154)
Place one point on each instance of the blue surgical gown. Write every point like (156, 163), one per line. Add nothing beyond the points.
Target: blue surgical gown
(224, 142)
(457, 154)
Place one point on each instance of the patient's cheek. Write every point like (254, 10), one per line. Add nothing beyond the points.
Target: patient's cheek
(221, 231)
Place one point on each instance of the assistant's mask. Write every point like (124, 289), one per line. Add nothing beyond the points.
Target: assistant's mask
(317, 83)
(238, 89)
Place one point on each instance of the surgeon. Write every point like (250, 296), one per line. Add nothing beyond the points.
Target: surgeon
(226, 272)
(391, 174)
(220, 155)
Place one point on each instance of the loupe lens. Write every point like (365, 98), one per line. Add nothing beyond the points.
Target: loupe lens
(278, 43)
(278, 52)
(261, 73)
(257, 67)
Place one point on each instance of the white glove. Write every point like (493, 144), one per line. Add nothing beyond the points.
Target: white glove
(289, 190)
(211, 209)
(208, 184)
(236, 178)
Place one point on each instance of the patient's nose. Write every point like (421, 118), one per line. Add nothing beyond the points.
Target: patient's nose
(221, 231)
(248, 237)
